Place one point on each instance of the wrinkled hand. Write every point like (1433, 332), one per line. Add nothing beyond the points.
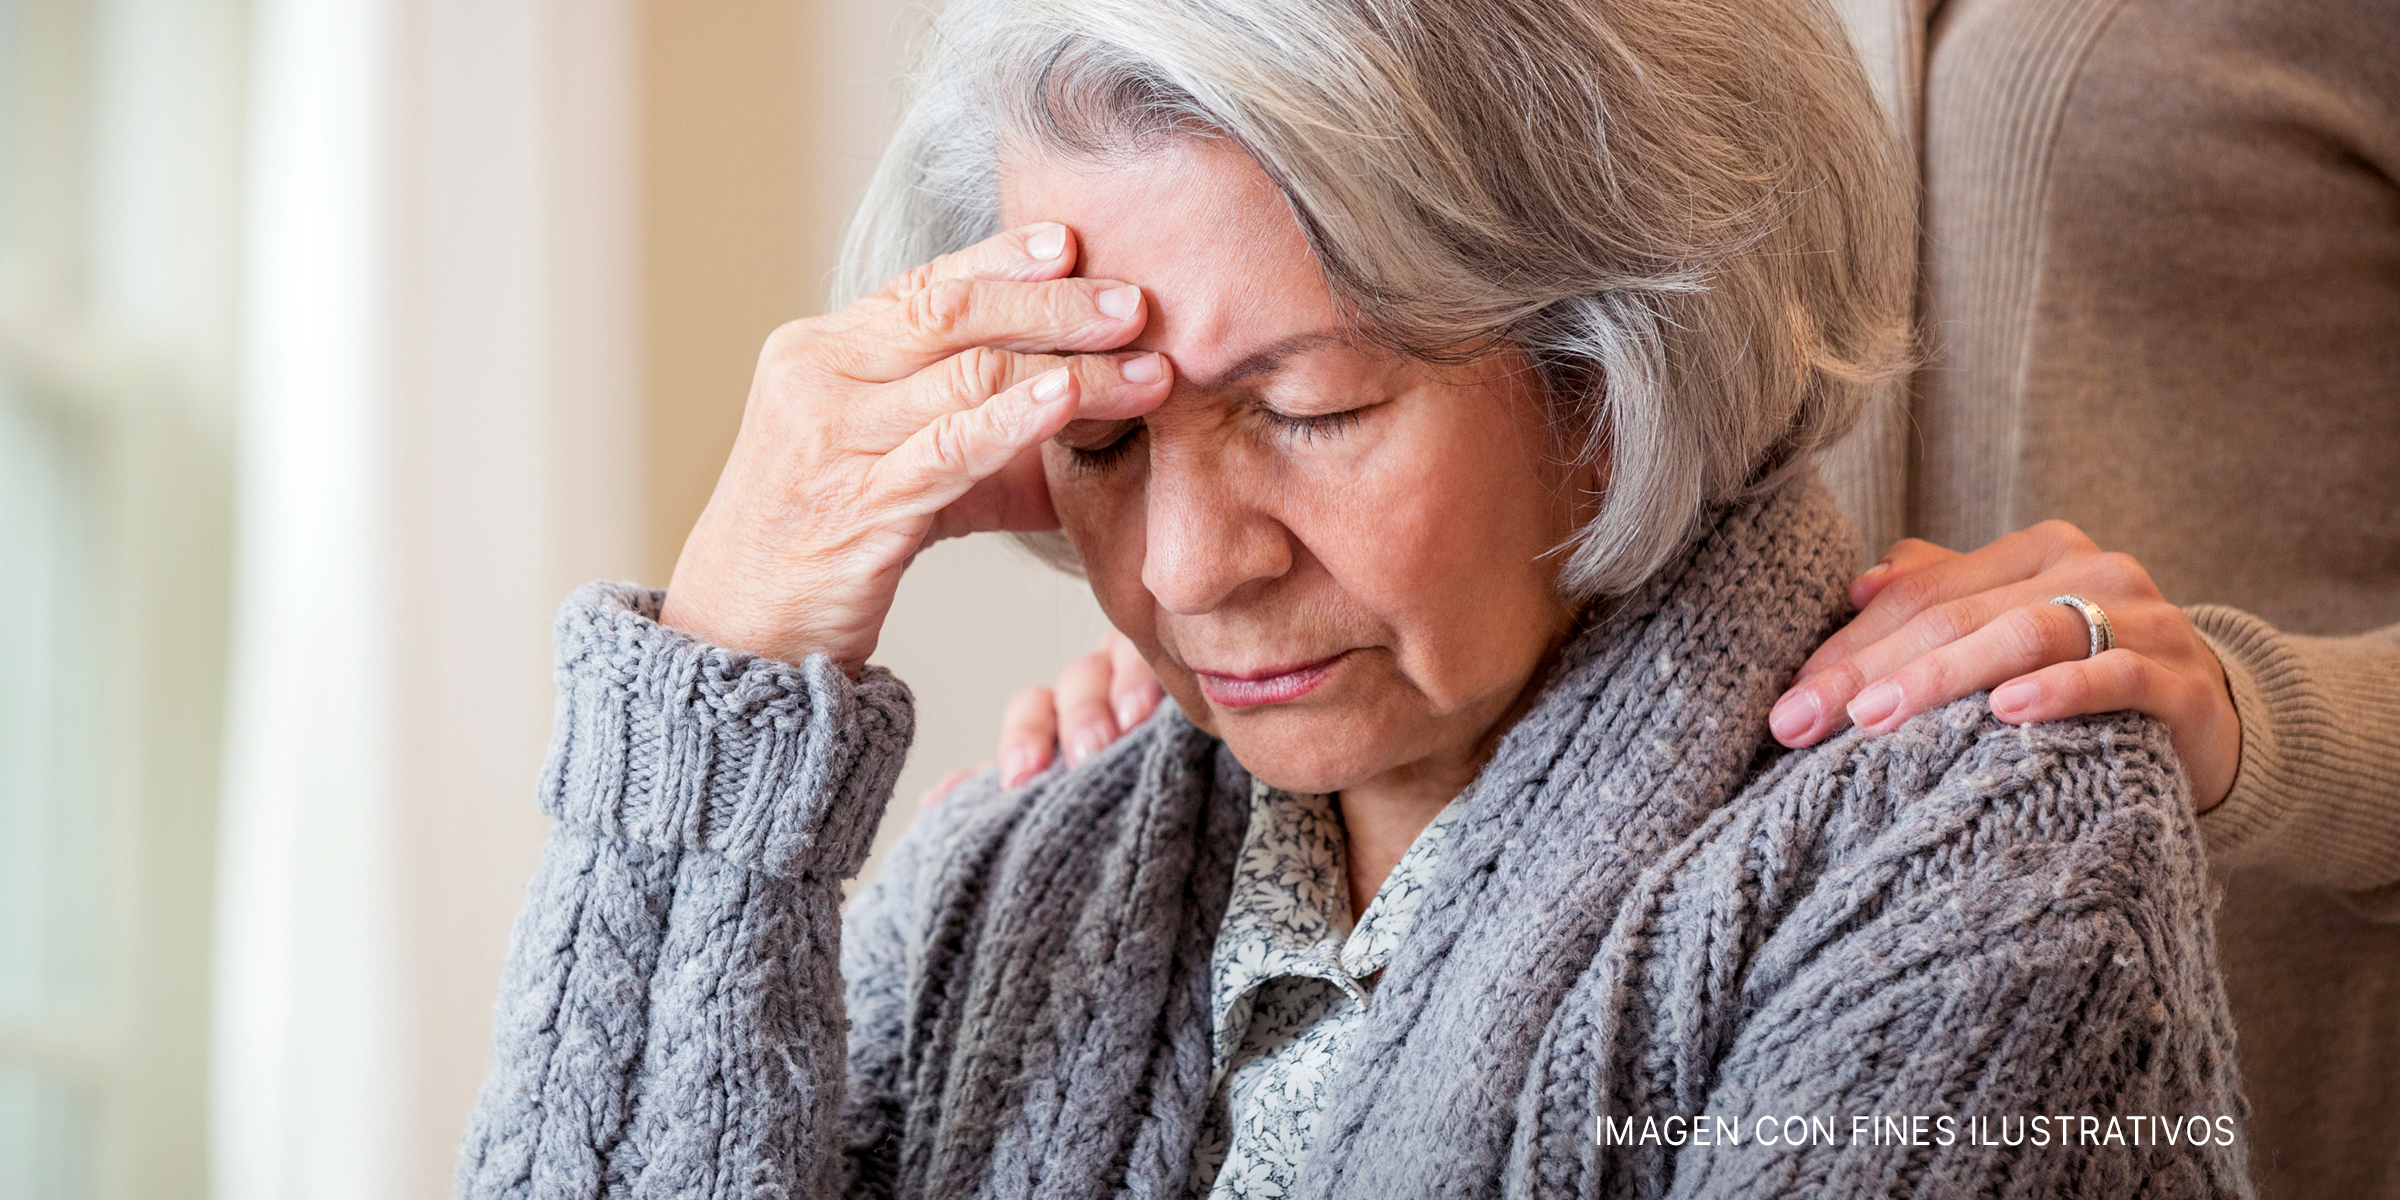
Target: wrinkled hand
(913, 415)
(1936, 625)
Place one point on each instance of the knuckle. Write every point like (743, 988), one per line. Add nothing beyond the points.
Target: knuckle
(946, 446)
(791, 352)
(914, 279)
(1909, 596)
(936, 308)
(2073, 687)
(2028, 633)
(1908, 547)
(978, 372)
(1925, 682)
(2125, 669)
(2123, 568)
(1842, 679)
(1945, 623)
(2062, 533)
(790, 337)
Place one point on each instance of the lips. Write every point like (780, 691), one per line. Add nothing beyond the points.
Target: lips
(1274, 685)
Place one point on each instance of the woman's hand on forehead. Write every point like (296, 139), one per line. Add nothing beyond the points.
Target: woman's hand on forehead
(913, 415)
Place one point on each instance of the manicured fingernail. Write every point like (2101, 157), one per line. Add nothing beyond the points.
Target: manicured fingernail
(2016, 696)
(1144, 369)
(1049, 384)
(1129, 711)
(1046, 242)
(1875, 704)
(1087, 742)
(1118, 302)
(1794, 714)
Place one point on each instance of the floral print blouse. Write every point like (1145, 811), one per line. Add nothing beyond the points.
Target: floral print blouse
(1291, 984)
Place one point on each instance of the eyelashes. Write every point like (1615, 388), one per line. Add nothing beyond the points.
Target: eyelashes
(1309, 429)
(1096, 459)
(1306, 430)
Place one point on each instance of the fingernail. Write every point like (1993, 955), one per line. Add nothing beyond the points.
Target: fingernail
(2016, 696)
(1794, 715)
(1049, 384)
(1875, 704)
(1118, 302)
(1087, 742)
(1048, 241)
(1129, 711)
(1877, 569)
(1016, 766)
(1145, 369)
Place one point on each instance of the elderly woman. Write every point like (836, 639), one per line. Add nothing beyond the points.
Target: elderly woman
(1423, 388)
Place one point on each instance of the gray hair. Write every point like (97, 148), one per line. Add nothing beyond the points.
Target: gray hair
(1689, 214)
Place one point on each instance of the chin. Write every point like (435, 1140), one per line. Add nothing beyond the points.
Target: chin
(1301, 751)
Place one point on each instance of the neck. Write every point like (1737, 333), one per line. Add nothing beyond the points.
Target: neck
(1382, 815)
(1380, 818)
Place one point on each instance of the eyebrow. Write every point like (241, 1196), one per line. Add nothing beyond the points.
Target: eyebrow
(1268, 359)
(1265, 360)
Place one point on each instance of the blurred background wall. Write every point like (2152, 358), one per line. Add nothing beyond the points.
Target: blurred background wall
(338, 340)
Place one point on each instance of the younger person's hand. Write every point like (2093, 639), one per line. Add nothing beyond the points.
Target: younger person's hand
(1937, 625)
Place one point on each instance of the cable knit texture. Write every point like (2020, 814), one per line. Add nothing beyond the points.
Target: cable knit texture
(2161, 274)
(1646, 909)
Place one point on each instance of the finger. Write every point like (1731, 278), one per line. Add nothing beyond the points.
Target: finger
(1028, 728)
(2019, 640)
(2116, 681)
(1134, 688)
(2013, 558)
(1043, 250)
(1086, 726)
(899, 337)
(1113, 387)
(1905, 557)
(1822, 704)
(1908, 558)
(933, 795)
(942, 461)
(2206, 730)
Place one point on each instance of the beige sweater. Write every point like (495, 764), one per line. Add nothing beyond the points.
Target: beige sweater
(2161, 290)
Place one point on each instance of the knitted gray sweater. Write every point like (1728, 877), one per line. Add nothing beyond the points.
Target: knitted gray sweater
(1647, 911)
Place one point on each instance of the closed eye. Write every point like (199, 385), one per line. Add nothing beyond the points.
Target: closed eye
(1311, 427)
(1091, 459)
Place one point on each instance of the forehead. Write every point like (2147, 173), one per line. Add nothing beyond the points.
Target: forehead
(1199, 227)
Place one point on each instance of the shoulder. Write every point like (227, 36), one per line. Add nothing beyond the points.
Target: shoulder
(2041, 782)
(2088, 818)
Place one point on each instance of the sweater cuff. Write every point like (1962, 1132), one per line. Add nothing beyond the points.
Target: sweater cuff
(2314, 799)
(665, 740)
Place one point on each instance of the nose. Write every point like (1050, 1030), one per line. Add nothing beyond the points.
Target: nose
(1208, 539)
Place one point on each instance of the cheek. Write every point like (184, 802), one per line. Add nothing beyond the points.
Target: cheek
(1441, 534)
(1427, 517)
(1102, 513)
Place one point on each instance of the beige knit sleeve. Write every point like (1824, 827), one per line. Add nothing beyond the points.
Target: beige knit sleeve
(2317, 798)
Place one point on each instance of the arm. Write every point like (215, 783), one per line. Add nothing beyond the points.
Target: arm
(672, 1019)
(2317, 796)
(2293, 743)
(2028, 938)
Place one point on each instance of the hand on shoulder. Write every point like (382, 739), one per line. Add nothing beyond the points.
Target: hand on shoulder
(1936, 625)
